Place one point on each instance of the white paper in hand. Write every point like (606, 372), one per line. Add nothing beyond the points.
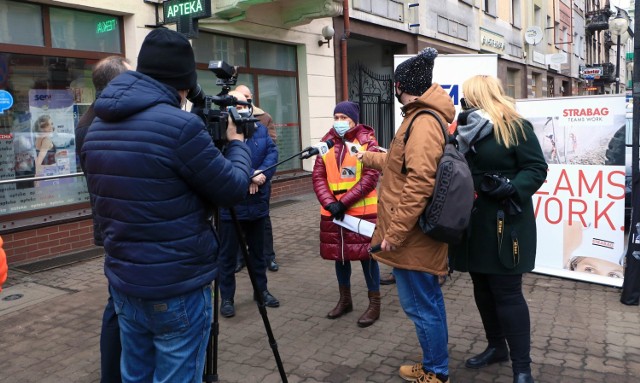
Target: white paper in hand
(356, 225)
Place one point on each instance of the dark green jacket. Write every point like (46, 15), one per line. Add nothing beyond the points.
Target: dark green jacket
(480, 250)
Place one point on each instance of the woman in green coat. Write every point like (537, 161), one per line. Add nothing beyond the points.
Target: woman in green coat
(508, 168)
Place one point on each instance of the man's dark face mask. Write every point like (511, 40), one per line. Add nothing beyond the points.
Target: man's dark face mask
(399, 96)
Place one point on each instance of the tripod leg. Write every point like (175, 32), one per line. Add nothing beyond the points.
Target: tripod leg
(211, 361)
(258, 294)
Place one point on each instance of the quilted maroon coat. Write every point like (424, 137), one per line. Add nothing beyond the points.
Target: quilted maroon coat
(337, 243)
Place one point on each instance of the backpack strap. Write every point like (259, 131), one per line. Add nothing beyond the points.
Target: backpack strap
(447, 137)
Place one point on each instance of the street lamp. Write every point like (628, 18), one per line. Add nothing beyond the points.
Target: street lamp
(618, 27)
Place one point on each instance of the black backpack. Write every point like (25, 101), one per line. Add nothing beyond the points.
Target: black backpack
(448, 211)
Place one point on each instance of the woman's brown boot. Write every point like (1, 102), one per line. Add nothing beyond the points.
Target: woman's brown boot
(373, 311)
(344, 304)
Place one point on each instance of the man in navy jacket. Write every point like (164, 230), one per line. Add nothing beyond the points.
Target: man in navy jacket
(155, 174)
(252, 213)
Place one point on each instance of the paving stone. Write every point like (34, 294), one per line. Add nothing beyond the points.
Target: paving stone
(580, 331)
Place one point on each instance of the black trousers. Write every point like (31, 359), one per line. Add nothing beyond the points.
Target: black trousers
(505, 315)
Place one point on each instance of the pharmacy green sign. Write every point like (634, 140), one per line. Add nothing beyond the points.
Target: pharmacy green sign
(192, 9)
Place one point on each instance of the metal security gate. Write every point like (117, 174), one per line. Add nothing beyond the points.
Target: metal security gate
(374, 93)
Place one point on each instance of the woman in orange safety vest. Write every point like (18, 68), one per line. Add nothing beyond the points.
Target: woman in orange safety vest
(344, 187)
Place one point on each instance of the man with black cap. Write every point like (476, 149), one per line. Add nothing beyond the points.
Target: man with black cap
(154, 175)
(409, 176)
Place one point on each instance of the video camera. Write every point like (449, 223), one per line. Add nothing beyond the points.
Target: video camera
(216, 120)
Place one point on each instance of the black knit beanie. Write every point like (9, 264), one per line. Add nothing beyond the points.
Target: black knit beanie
(167, 56)
(415, 74)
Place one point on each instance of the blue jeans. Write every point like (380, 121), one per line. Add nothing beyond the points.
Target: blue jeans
(422, 301)
(164, 340)
(370, 269)
(110, 347)
(227, 257)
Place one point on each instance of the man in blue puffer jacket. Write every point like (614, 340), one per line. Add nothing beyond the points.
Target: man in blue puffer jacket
(252, 214)
(155, 174)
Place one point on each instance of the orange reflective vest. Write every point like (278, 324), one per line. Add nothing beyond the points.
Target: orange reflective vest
(344, 177)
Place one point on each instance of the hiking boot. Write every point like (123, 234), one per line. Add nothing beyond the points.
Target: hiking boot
(430, 377)
(411, 373)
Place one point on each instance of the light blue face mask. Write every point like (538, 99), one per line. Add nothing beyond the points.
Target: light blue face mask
(244, 113)
(341, 127)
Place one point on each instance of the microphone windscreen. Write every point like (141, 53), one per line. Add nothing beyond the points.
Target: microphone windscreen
(329, 143)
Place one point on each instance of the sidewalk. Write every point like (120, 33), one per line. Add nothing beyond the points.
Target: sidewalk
(581, 331)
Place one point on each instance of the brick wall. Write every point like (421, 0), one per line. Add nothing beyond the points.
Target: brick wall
(283, 187)
(61, 239)
(46, 242)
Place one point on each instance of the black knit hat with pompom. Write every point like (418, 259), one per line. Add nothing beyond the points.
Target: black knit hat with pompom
(415, 74)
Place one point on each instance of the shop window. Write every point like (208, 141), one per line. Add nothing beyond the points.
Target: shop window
(21, 23)
(71, 29)
(37, 134)
(232, 50)
(512, 83)
(536, 85)
(271, 73)
(272, 56)
(278, 96)
(44, 92)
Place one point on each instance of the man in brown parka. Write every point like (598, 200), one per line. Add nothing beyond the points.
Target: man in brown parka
(417, 260)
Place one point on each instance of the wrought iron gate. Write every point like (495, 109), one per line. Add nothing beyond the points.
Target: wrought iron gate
(374, 93)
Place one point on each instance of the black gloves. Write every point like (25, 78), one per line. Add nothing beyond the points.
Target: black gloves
(337, 210)
(501, 189)
(497, 186)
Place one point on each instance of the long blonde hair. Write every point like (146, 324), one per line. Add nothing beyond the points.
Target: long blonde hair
(486, 93)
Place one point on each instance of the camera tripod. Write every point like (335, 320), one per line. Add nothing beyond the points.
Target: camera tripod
(211, 361)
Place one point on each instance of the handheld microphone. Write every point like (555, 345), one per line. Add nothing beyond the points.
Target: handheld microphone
(375, 248)
(321, 149)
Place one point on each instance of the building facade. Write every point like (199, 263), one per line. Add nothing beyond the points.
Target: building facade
(284, 51)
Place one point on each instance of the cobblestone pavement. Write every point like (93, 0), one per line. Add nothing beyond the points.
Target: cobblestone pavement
(581, 332)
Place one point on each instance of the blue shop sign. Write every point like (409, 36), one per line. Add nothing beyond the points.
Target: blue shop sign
(6, 101)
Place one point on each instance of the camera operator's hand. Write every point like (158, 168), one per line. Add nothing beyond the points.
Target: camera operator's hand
(232, 133)
(253, 188)
(337, 210)
(260, 179)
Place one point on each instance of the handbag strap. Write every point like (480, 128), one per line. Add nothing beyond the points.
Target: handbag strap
(408, 131)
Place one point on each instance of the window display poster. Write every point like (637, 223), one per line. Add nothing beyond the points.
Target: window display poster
(52, 128)
(580, 208)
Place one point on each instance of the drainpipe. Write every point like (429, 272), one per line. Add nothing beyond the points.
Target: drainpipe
(343, 51)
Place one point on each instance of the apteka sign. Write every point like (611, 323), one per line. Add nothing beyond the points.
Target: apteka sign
(174, 10)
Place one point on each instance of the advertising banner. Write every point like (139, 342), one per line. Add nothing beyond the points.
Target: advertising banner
(450, 71)
(580, 208)
(52, 131)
